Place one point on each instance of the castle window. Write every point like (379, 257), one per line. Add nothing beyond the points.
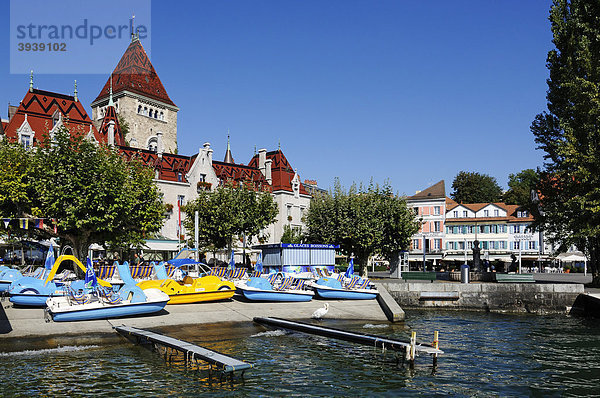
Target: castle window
(150, 113)
(139, 109)
(156, 114)
(145, 111)
(153, 144)
(179, 177)
(162, 116)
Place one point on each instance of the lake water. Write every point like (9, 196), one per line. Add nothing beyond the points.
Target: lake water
(485, 355)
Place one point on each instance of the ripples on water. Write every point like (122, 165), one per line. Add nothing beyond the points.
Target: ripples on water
(485, 355)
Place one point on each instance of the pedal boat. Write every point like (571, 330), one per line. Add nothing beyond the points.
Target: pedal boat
(129, 301)
(259, 289)
(357, 289)
(33, 291)
(192, 290)
(8, 276)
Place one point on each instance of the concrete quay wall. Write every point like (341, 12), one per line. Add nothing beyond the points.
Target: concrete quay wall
(22, 322)
(494, 297)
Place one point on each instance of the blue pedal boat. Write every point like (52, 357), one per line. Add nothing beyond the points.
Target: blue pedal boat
(357, 289)
(259, 289)
(128, 301)
(35, 291)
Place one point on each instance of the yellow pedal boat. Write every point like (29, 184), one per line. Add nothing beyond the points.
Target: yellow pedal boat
(192, 290)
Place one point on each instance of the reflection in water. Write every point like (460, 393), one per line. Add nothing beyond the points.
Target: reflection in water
(485, 354)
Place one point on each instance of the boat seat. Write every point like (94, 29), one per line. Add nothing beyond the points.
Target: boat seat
(255, 274)
(299, 285)
(286, 283)
(353, 282)
(271, 278)
(219, 272)
(362, 284)
(237, 273)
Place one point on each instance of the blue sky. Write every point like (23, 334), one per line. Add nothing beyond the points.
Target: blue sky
(413, 92)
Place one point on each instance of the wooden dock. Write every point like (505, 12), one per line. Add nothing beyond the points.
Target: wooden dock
(409, 347)
(190, 351)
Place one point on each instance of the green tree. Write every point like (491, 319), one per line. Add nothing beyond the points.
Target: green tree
(473, 187)
(520, 186)
(291, 235)
(364, 221)
(95, 195)
(15, 181)
(228, 212)
(569, 132)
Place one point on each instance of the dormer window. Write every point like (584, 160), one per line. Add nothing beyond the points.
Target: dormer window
(26, 140)
(486, 213)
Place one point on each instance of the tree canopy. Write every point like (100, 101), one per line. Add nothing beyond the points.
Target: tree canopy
(95, 195)
(227, 212)
(15, 186)
(473, 187)
(364, 221)
(569, 131)
(520, 186)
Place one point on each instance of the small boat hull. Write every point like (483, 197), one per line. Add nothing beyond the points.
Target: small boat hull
(273, 295)
(63, 311)
(116, 311)
(29, 300)
(345, 294)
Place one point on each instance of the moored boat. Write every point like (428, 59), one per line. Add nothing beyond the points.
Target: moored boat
(190, 290)
(130, 300)
(260, 289)
(357, 289)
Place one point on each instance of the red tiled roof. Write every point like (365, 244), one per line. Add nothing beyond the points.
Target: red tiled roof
(3, 126)
(251, 176)
(282, 173)
(40, 106)
(511, 213)
(111, 115)
(168, 165)
(135, 73)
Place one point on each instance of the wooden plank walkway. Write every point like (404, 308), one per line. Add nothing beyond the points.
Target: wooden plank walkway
(359, 338)
(191, 351)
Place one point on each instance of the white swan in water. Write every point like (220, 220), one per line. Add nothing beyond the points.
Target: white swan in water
(320, 313)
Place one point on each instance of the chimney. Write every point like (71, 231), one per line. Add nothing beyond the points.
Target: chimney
(262, 157)
(159, 144)
(111, 133)
(268, 171)
(208, 151)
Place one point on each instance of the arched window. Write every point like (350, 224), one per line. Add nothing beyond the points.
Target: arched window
(153, 144)
(139, 109)
(145, 111)
(162, 116)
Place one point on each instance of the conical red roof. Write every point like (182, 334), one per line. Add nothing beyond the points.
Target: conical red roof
(135, 73)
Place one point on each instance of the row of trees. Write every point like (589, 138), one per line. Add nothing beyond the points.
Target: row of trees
(364, 221)
(473, 187)
(94, 194)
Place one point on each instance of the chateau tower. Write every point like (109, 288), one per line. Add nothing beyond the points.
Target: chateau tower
(141, 100)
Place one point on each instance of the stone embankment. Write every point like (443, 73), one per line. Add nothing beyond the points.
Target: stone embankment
(494, 297)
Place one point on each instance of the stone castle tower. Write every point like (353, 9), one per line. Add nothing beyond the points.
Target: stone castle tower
(141, 100)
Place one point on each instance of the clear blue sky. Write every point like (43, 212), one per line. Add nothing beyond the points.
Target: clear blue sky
(410, 91)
